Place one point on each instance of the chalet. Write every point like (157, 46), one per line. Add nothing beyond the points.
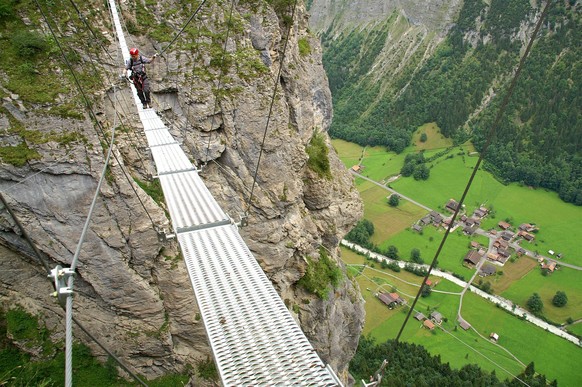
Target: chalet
(452, 205)
(501, 243)
(433, 214)
(492, 256)
(527, 227)
(550, 266)
(503, 252)
(504, 225)
(438, 219)
(426, 220)
(475, 245)
(526, 235)
(417, 228)
(419, 316)
(463, 218)
(487, 270)
(428, 324)
(428, 283)
(470, 230)
(521, 251)
(494, 336)
(356, 168)
(507, 235)
(463, 324)
(436, 317)
(472, 257)
(391, 299)
(480, 212)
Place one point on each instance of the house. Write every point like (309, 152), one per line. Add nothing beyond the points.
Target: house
(504, 225)
(463, 324)
(507, 235)
(550, 266)
(426, 220)
(428, 324)
(494, 336)
(428, 282)
(503, 252)
(463, 217)
(492, 256)
(487, 270)
(527, 227)
(551, 252)
(438, 219)
(417, 228)
(356, 168)
(452, 205)
(391, 299)
(475, 245)
(419, 316)
(436, 317)
(470, 230)
(473, 257)
(521, 251)
(526, 235)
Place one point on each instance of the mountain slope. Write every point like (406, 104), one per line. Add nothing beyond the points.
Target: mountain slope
(458, 82)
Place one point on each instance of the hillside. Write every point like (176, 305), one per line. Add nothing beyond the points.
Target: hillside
(399, 69)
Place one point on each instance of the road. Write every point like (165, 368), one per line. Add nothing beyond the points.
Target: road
(479, 231)
(500, 301)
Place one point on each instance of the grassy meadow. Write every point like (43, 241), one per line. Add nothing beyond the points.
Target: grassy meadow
(565, 280)
(560, 229)
(456, 346)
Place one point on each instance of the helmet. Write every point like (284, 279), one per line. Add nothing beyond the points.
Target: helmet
(133, 51)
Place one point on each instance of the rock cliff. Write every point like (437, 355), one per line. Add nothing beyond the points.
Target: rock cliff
(132, 290)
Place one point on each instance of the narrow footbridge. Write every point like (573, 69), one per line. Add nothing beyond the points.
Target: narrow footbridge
(253, 336)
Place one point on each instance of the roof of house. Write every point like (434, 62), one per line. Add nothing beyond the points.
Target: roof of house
(436, 315)
(419, 316)
(429, 324)
(452, 204)
(473, 257)
(488, 269)
(463, 324)
(494, 336)
(388, 298)
(504, 225)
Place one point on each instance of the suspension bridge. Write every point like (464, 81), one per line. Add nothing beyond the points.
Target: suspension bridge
(253, 336)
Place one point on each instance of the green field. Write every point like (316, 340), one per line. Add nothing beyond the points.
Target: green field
(565, 280)
(560, 229)
(460, 347)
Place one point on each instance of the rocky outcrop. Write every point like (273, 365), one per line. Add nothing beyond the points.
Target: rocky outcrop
(132, 290)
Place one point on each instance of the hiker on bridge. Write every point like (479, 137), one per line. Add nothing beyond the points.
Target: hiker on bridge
(136, 63)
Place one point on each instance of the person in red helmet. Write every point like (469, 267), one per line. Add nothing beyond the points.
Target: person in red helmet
(136, 63)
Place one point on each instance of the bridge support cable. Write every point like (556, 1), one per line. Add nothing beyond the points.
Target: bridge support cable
(254, 338)
(490, 135)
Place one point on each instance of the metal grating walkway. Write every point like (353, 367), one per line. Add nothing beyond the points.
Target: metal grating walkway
(254, 338)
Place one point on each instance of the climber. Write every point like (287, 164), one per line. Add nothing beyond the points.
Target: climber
(136, 63)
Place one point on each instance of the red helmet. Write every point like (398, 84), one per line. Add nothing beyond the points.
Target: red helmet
(133, 51)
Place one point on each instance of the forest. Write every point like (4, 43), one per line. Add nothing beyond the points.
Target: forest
(411, 365)
(538, 141)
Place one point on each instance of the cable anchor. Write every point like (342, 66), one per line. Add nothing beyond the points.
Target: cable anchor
(61, 276)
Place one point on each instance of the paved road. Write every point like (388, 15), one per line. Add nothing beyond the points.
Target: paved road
(502, 302)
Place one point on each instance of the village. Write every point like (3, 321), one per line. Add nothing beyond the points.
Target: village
(504, 241)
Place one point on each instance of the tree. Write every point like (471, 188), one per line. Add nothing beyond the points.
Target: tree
(426, 290)
(535, 304)
(394, 200)
(423, 137)
(415, 256)
(560, 299)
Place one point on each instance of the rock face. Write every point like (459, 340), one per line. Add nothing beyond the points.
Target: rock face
(133, 291)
